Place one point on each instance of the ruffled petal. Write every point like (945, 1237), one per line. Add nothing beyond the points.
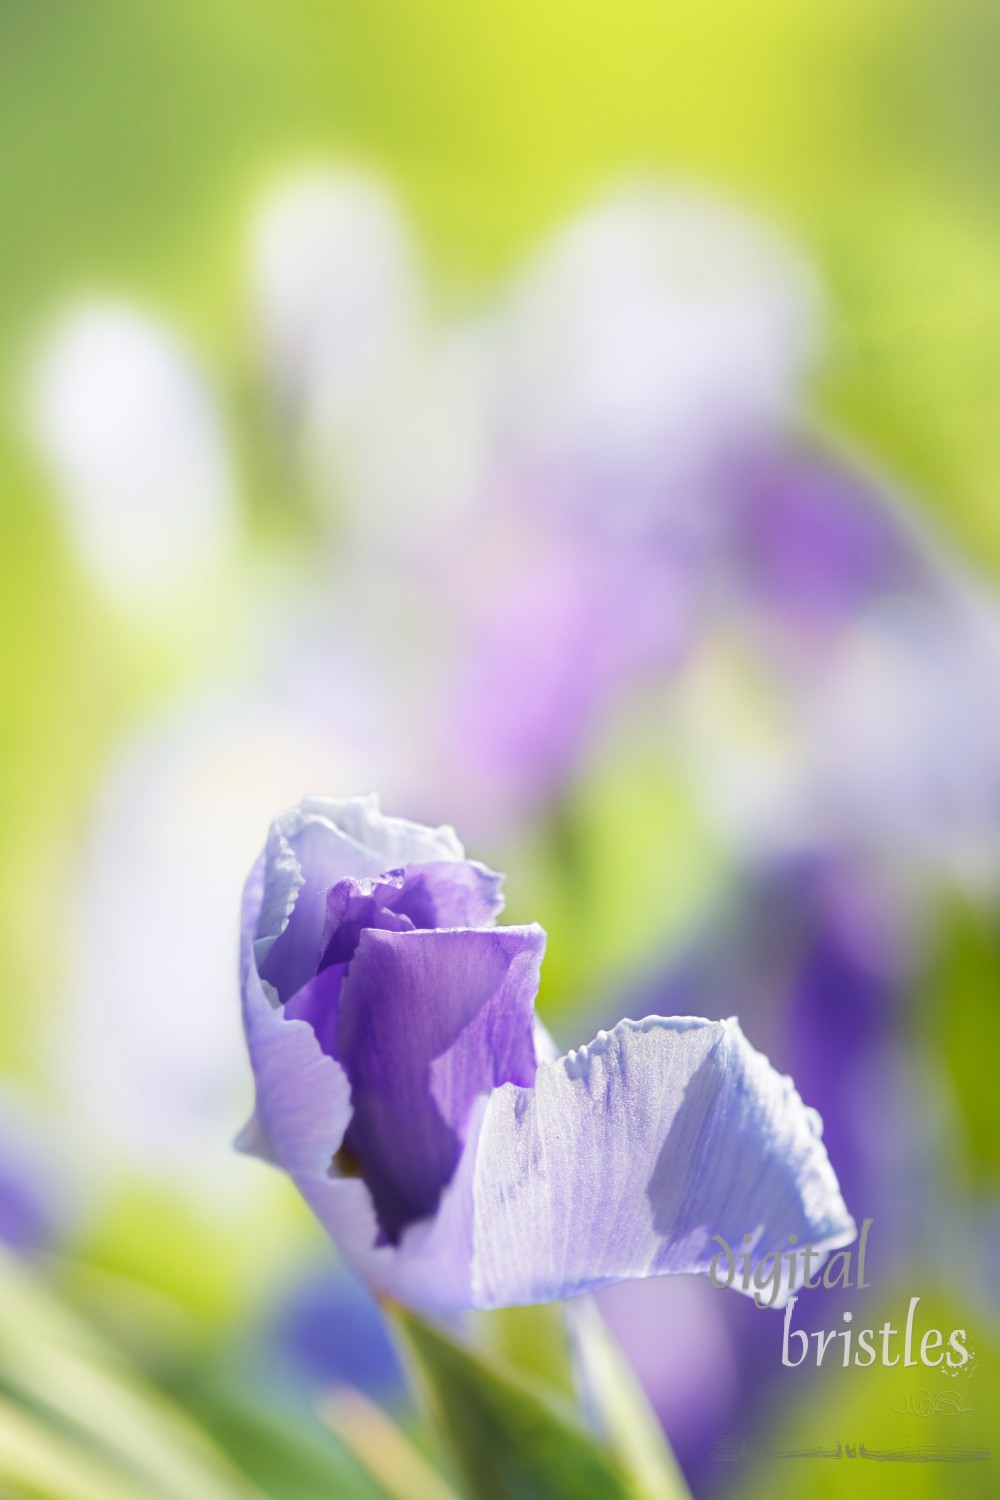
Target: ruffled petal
(628, 1156)
(459, 893)
(310, 849)
(454, 893)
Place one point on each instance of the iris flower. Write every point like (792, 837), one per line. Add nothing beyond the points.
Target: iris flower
(405, 1084)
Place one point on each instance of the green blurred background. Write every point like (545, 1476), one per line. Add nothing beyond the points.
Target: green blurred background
(134, 140)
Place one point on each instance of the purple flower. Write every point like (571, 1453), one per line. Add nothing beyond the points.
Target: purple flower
(405, 1085)
(585, 612)
(39, 1206)
(326, 1330)
(26, 1219)
(814, 542)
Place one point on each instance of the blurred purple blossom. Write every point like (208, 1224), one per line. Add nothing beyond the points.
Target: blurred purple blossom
(600, 478)
(39, 1203)
(325, 1329)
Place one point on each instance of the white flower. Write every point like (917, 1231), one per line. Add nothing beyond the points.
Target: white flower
(658, 327)
(133, 441)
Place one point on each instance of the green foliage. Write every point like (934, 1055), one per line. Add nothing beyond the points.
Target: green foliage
(886, 1410)
(132, 143)
(960, 1026)
(77, 1423)
(511, 1436)
(81, 1419)
(621, 873)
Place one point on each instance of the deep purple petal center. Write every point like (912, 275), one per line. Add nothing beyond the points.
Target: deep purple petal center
(426, 1006)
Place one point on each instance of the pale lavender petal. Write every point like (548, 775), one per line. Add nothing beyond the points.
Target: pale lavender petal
(428, 1022)
(630, 1154)
(305, 857)
(303, 1103)
(456, 893)
(309, 849)
(303, 1097)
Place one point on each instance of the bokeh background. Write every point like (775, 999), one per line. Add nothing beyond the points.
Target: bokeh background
(236, 566)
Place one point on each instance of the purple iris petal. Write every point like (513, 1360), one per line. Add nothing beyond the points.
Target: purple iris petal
(428, 1022)
(446, 1017)
(451, 893)
(455, 893)
(294, 955)
(308, 851)
(351, 907)
(318, 1003)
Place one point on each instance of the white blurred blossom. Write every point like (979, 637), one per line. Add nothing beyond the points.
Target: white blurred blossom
(133, 440)
(659, 328)
(149, 1052)
(384, 406)
(880, 733)
(335, 290)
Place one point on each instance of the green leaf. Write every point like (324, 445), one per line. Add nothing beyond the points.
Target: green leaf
(39, 1461)
(960, 1028)
(382, 1448)
(68, 1386)
(611, 1390)
(511, 1437)
(568, 1346)
(534, 1339)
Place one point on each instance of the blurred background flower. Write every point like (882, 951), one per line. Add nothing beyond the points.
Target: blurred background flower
(135, 445)
(579, 426)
